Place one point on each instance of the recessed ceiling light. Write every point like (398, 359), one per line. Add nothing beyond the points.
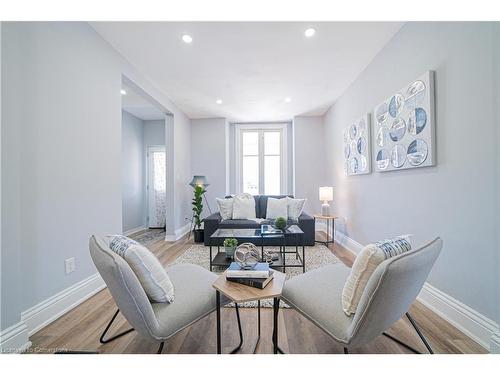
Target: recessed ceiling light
(123, 92)
(186, 38)
(288, 100)
(309, 32)
(219, 101)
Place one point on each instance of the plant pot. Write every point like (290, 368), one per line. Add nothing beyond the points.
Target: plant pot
(230, 251)
(198, 235)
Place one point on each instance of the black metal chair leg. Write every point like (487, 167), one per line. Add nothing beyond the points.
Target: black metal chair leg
(420, 334)
(160, 349)
(239, 329)
(345, 350)
(422, 337)
(105, 341)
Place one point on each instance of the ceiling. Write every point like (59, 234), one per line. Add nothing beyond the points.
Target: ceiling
(135, 104)
(251, 66)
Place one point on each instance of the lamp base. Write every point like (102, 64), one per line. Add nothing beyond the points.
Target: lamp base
(325, 209)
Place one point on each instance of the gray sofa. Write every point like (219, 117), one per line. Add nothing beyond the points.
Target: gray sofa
(214, 222)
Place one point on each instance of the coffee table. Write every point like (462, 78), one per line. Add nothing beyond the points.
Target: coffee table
(257, 236)
(239, 293)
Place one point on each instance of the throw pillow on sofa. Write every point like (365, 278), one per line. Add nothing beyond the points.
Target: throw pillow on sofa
(225, 208)
(276, 207)
(365, 264)
(146, 266)
(243, 206)
(295, 208)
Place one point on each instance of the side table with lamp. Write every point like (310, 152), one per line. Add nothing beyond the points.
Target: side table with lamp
(326, 195)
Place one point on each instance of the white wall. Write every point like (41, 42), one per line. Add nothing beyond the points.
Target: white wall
(61, 155)
(208, 158)
(456, 199)
(309, 158)
(133, 180)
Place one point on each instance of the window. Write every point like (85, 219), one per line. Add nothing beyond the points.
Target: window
(261, 159)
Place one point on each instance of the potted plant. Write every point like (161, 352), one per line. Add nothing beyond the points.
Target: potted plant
(230, 246)
(280, 223)
(197, 203)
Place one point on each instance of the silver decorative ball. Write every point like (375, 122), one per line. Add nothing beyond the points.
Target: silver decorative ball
(247, 255)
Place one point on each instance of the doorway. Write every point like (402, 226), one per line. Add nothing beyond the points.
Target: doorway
(156, 186)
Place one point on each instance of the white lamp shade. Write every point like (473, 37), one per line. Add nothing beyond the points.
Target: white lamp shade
(326, 193)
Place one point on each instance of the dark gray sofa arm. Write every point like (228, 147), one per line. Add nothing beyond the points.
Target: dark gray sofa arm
(211, 224)
(307, 224)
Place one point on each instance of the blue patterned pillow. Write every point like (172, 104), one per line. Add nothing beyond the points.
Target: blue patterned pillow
(396, 246)
(119, 244)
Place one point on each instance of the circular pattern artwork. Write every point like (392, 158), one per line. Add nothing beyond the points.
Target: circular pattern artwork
(353, 131)
(415, 95)
(354, 165)
(396, 105)
(347, 151)
(417, 121)
(398, 156)
(361, 145)
(398, 130)
(357, 147)
(382, 113)
(383, 159)
(417, 152)
(404, 128)
(382, 136)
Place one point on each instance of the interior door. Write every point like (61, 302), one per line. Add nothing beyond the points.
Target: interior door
(156, 186)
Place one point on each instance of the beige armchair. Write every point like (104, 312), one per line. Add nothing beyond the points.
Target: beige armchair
(391, 289)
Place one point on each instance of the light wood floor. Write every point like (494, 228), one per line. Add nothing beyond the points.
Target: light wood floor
(81, 328)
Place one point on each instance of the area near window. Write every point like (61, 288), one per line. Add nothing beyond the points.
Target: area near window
(261, 159)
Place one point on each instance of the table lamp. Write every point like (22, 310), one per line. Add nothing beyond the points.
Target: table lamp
(325, 195)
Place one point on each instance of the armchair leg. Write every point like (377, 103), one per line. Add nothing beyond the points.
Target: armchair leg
(160, 349)
(346, 351)
(239, 329)
(102, 340)
(420, 334)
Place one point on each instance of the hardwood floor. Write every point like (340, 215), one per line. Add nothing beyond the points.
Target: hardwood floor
(81, 328)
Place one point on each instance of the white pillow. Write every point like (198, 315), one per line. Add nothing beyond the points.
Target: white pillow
(244, 206)
(295, 207)
(225, 208)
(277, 208)
(147, 268)
(365, 264)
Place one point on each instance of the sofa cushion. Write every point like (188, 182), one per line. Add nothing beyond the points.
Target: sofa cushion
(277, 208)
(263, 203)
(225, 208)
(242, 224)
(295, 207)
(244, 206)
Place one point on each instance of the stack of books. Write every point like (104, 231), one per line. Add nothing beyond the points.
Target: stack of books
(258, 277)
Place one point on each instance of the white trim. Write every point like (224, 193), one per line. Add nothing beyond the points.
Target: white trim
(478, 327)
(133, 231)
(179, 233)
(14, 339)
(495, 343)
(45, 312)
(475, 325)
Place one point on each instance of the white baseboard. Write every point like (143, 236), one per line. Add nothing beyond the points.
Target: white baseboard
(133, 231)
(179, 233)
(475, 325)
(478, 327)
(495, 343)
(52, 308)
(14, 339)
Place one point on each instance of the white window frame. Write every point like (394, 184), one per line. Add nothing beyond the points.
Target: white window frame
(261, 128)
